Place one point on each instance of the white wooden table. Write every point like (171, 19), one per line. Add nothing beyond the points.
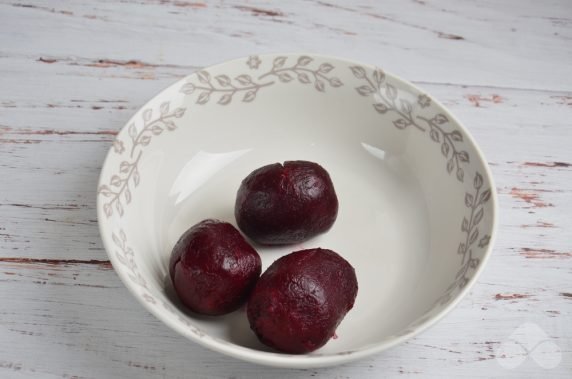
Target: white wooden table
(72, 72)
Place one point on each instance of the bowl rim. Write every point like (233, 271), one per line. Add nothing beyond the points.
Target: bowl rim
(306, 360)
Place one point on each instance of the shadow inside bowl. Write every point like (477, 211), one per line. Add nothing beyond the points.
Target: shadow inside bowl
(232, 327)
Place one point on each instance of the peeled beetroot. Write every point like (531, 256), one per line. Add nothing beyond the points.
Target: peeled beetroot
(285, 204)
(213, 268)
(300, 300)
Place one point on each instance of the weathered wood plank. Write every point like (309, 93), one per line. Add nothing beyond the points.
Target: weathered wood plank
(473, 42)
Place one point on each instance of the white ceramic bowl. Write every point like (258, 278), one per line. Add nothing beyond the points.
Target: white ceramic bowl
(417, 200)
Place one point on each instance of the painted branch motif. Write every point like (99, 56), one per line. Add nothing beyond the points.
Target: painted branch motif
(224, 86)
(386, 97)
(447, 140)
(118, 192)
(305, 75)
(475, 202)
(387, 100)
(245, 86)
(126, 257)
(118, 187)
(153, 127)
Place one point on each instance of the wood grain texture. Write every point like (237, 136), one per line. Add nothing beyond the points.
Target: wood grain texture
(72, 72)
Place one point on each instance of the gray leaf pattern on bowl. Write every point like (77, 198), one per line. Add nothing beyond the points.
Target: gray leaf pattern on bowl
(125, 255)
(222, 86)
(301, 71)
(387, 100)
(225, 88)
(470, 227)
(118, 190)
(388, 96)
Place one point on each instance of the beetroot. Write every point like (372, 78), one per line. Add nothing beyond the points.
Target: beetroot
(213, 268)
(285, 204)
(300, 300)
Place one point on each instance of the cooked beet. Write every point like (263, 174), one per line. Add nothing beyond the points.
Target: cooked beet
(285, 204)
(213, 268)
(300, 300)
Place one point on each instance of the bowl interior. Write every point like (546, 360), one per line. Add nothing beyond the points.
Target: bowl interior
(415, 216)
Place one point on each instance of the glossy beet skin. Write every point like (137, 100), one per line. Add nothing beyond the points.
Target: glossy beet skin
(285, 204)
(300, 300)
(213, 268)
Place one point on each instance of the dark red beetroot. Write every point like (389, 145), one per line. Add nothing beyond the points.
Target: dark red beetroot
(300, 300)
(284, 204)
(213, 268)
